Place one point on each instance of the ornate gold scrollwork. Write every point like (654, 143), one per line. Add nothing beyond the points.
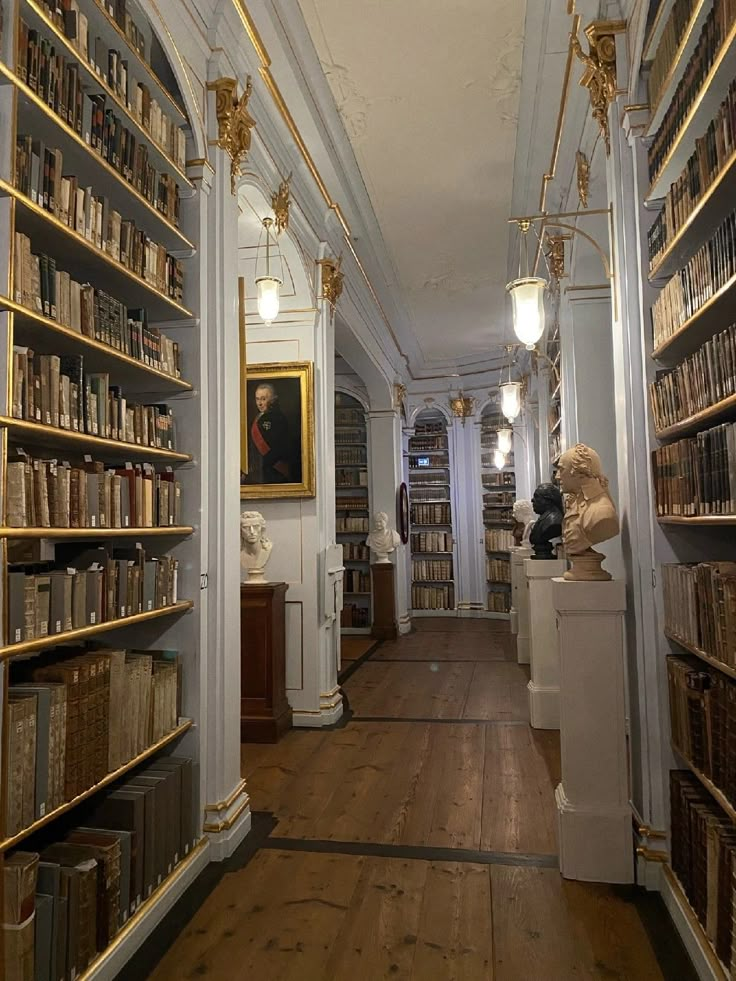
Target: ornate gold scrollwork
(399, 395)
(600, 69)
(556, 256)
(234, 122)
(332, 279)
(463, 406)
(280, 201)
(583, 174)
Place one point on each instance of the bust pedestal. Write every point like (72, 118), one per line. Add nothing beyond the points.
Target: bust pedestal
(593, 795)
(265, 713)
(544, 686)
(520, 602)
(384, 603)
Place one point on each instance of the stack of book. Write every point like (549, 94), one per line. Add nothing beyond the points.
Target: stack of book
(499, 540)
(499, 602)
(498, 570)
(349, 435)
(430, 514)
(700, 607)
(433, 597)
(352, 525)
(353, 615)
(431, 541)
(695, 476)
(351, 417)
(437, 460)
(351, 478)
(428, 570)
(427, 493)
(65, 903)
(351, 455)
(426, 444)
(354, 551)
(667, 48)
(501, 479)
(355, 581)
(503, 498)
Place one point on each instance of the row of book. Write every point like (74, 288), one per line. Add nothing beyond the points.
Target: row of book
(42, 287)
(437, 459)
(502, 479)
(351, 417)
(427, 480)
(703, 856)
(700, 607)
(498, 570)
(439, 570)
(709, 270)
(355, 552)
(436, 493)
(429, 429)
(667, 48)
(56, 391)
(101, 586)
(425, 444)
(351, 478)
(65, 903)
(58, 79)
(351, 504)
(697, 475)
(499, 601)
(499, 498)
(497, 516)
(353, 615)
(43, 493)
(715, 30)
(348, 436)
(73, 721)
(712, 153)
(352, 525)
(356, 581)
(431, 541)
(430, 514)
(353, 455)
(92, 217)
(498, 540)
(118, 11)
(433, 597)
(698, 382)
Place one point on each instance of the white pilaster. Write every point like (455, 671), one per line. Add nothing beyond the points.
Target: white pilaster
(593, 796)
(520, 602)
(544, 686)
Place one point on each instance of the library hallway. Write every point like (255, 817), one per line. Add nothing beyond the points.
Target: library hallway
(415, 840)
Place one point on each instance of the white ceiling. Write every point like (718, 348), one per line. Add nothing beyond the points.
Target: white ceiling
(429, 95)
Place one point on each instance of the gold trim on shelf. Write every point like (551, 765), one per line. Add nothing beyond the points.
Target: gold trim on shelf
(224, 804)
(98, 81)
(105, 782)
(644, 831)
(74, 236)
(280, 201)
(228, 822)
(675, 62)
(692, 422)
(82, 633)
(234, 122)
(36, 430)
(701, 654)
(719, 971)
(700, 519)
(332, 279)
(53, 325)
(691, 321)
(157, 894)
(64, 128)
(177, 531)
(599, 77)
(650, 855)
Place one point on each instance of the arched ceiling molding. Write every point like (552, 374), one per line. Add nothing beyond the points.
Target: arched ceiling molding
(378, 384)
(344, 386)
(416, 410)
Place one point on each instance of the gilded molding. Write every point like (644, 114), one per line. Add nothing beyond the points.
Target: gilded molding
(582, 166)
(280, 201)
(234, 122)
(332, 279)
(463, 406)
(399, 395)
(556, 256)
(599, 77)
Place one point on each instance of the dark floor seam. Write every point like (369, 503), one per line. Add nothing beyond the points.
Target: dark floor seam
(446, 722)
(353, 666)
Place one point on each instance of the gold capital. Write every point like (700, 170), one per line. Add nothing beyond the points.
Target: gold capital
(234, 122)
(599, 77)
(332, 279)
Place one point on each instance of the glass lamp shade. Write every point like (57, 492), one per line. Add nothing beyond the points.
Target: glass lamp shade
(505, 438)
(268, 288)
(499, 459)
(527, 298)
(511, 400)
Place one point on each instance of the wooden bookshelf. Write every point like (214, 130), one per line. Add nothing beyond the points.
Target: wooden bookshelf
(681, 910)
(351, 461)
(713, 414)
(705, 322)
(108, 450)
(707, 658)
(176, 531)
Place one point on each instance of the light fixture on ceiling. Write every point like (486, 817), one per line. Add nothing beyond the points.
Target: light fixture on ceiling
(511, 392)
(527, 294)
(268, 284)
(499, 459)
(505, 438)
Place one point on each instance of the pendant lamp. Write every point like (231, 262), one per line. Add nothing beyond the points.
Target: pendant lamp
(511, 399)
(527, 295)
(505, 440)
(268, 284)
(499, 460)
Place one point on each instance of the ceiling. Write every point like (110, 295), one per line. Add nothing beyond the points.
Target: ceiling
(429, 96)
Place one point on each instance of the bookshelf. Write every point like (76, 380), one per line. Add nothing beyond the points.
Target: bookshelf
(431, 519)
(99, 438)
(499, 493)
(691, 149)
(352, 512)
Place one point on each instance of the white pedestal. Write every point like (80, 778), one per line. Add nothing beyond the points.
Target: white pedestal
(520, 602)
(596, 842)
(544, 687)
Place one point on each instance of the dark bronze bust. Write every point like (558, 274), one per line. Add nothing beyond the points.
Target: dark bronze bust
(547, 503)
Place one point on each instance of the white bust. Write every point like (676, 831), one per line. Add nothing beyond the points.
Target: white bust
(255, 547)
(382, 539)
(524, 514)
(590, 514)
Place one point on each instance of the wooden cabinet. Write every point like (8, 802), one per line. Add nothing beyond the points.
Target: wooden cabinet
(265, 713)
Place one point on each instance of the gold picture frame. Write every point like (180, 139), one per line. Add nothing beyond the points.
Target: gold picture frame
(279, 430)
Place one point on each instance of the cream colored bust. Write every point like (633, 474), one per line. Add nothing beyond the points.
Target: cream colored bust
(382, 539)
(524, 514)
(255, 547)
(590, 514)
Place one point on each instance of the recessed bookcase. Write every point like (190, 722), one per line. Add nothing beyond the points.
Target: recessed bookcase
(499, 493)
(352, 507)
(431, 518)
(691, 146)
(99, 437)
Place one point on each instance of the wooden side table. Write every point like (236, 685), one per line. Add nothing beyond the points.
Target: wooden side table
(265, 713)
(384, 603)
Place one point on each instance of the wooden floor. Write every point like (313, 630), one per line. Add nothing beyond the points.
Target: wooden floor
(416, 842)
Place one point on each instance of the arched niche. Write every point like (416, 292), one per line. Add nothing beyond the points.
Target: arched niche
(298, 300)
(425, 413)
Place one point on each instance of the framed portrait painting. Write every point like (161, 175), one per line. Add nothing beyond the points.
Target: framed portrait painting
(279, 424)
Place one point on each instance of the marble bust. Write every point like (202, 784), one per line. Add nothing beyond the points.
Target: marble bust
(382, 539)
(547, 503)
(255, 547)
(524, 517)
(590, 514)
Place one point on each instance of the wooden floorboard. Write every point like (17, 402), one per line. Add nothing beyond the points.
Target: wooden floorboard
(354, 646)
(447, 646)
(403, 690)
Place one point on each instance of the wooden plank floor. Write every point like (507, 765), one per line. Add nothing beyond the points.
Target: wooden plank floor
(353, 646)
(417, 842)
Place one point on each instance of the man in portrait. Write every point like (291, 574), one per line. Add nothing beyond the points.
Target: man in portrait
(270, 453)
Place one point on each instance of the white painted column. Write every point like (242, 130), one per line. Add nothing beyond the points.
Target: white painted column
(520, 602)
(467, 491)
(593, 796)
(544, 686)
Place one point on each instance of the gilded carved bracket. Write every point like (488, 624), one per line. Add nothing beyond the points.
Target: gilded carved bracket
(280, 201)
(234, 122)
(332, 280)
(599, 77)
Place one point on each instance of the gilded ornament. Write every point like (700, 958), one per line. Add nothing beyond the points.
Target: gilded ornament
(280, 203)
(463, 406)
(556, 256)
(600, 70)
(332, 279)
(399, 395)
(583, 173)
(234, 122)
